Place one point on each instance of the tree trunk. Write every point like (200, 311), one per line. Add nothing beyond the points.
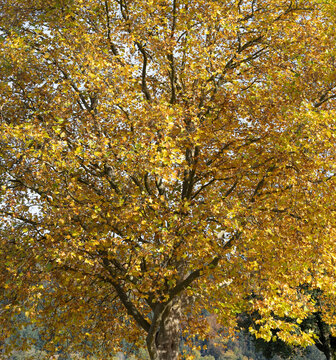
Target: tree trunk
(168, 335)
(333, 354)
(330, 350)
(332, 340)
(327, 342)
(330, 354)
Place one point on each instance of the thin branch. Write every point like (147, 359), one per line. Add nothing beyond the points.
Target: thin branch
(229, 191)
(324, 99)
(112, 46)
(19, 217)
(199, 272)
(250, 43)
(170, 57)
(203, 187)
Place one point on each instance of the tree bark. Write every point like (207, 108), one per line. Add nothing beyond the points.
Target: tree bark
(330, 351)
(333, 354)
(168, 335)
(327, 342)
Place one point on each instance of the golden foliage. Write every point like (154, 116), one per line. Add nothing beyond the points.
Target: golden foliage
(151, 149)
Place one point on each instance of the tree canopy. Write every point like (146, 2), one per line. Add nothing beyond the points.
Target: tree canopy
(159, 158)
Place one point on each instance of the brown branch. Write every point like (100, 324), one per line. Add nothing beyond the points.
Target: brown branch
(170, 57)
(324, 99)
(199, 272)
(192, 173)
(73, 85)
(147, 186)
(229, 191)
(124, 298)
(203, 187)
(250, 43)
(144, 87)
(19, 217)
(112, 46)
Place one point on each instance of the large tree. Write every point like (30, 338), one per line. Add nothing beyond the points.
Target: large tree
(159, 158)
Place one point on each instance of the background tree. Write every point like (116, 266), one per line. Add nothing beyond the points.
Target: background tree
(163, 157)
(325, 341)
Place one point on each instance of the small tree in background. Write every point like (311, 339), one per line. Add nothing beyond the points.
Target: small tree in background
(314, 323)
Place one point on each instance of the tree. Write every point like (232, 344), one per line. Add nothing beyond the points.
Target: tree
(325, 341)
(159, 158)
